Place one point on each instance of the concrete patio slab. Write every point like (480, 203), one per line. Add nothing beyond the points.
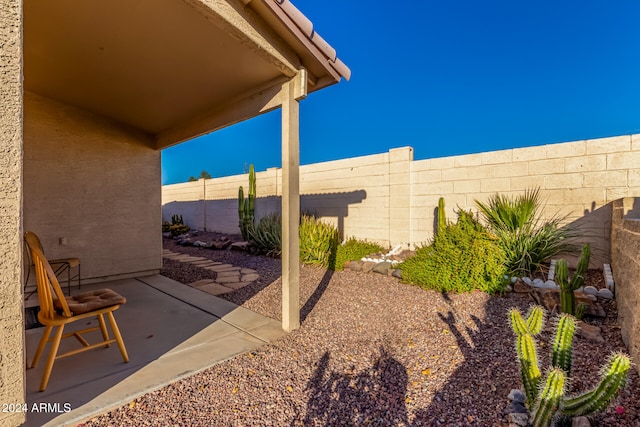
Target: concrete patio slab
(171, 331)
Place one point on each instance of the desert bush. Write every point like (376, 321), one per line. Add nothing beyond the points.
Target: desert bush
(463, 258)
(267, 235)
(526, 239)
(176, 227)
(354, 249)
(318, 242)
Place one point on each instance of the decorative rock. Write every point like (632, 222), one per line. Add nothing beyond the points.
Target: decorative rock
(515, 407)
(355, 266)
(580, 422)
(527, 280)
(516, 395)
(590, 332)
(521, 287)
(586, 296)
(382, 267)
(590, 290)
(220, 244)
(537, 282)
(368, 266)
(513, 279)
(508, 288)
(608, 277)
(239, 246)
(518, 419)
(605, 293)
(550, 298)
(397, 273)
(552, 270)
(549, 284)
(167, 235)
(200, 244)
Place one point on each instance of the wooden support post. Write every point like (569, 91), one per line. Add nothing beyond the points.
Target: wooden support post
(290, 207)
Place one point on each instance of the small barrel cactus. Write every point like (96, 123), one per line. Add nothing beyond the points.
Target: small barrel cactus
(546, 399)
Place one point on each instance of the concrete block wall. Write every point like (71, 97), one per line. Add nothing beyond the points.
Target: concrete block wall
(625, 263)
(392, 199)
(578, 179)
(352, 194)
(95, 184)
(12, 364)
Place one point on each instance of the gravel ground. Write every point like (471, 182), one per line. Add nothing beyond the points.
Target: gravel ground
(370, 351)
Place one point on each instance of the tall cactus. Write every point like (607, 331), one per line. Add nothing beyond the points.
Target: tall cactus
(526, 348)
(246, 207)
(549, 402)
(442, 218)
(568, 287)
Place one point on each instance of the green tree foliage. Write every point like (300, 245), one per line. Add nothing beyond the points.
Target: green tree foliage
(203, 175)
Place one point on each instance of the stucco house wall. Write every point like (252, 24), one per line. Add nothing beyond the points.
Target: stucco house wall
(91, 188)
(12, 366)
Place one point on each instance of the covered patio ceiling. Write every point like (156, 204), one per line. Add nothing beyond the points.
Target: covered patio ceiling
(173, 69)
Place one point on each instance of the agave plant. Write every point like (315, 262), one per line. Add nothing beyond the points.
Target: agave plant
(267, 235)
(527, 240)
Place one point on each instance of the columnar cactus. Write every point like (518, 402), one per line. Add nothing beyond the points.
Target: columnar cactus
(442, 218)
(567, 287)
(549, 403)
(526, 348)
(246, 207)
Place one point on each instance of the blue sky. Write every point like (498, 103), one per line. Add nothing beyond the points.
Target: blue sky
(447, 78)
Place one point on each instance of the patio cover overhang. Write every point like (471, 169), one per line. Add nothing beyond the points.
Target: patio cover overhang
(178, 69)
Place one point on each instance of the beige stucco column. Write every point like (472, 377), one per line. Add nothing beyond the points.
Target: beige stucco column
(291, 91)
(12, 369)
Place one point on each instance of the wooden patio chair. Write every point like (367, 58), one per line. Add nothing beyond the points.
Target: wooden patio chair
(56, 310)
(59, 265)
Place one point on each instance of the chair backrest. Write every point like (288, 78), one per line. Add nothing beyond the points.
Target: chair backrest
(48, 285)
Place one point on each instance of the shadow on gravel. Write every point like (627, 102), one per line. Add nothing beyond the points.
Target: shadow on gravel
(375, 396)
(469, 397)
(316, 295)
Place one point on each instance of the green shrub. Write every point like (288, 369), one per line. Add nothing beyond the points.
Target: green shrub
(176, 227)
(267, 235)
(318, 242)
(526, 239)
(464, 258)
(354, 249)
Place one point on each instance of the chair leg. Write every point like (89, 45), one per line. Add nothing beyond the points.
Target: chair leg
(116, 333)
(41, 345)
(55, 343)
(103, 329)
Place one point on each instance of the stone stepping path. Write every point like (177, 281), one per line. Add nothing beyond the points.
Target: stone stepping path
(228, 277)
